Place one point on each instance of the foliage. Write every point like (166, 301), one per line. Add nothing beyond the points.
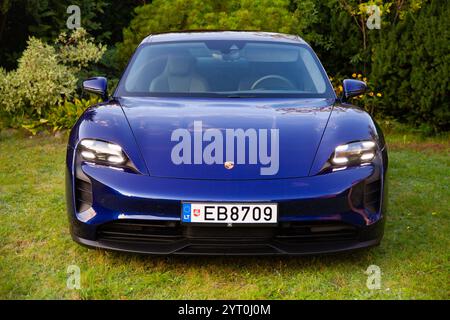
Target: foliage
(38, 82)
(78, 49)
(61, 116)
(410, 46)
(45, 75)
(411, 64)
(43, 19)
(367, 101)
(340, 34)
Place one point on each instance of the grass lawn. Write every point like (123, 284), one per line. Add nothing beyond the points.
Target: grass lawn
(36, 248)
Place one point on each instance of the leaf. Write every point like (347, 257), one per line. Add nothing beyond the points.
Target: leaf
(31, 128)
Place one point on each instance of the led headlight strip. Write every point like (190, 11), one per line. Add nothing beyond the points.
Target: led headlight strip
(102, 152)
(354, 153)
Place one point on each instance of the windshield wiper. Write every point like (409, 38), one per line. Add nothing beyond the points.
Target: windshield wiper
(237, 95)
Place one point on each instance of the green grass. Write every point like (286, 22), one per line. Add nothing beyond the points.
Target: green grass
(36, 248)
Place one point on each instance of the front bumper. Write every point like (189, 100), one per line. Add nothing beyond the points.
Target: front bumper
(334, 212)
(190, 247)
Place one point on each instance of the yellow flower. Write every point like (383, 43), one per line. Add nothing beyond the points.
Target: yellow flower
(364, 79)
(371, 94)
(359, 75)
(340, 88)
(354, 75)
(379, 94)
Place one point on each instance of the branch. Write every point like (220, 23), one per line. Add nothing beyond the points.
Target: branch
(348, 8)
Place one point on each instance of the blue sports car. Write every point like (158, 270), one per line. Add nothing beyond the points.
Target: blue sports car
(226, 142)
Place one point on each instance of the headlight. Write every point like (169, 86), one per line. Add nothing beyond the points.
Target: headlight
(104, 153)
(354, 153)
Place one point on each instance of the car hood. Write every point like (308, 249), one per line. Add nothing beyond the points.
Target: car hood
(162, 124)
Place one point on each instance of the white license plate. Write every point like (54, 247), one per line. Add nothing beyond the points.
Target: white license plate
(258, 213)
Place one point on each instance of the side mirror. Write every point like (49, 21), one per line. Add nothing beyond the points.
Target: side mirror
(353, 88)
(97, 85)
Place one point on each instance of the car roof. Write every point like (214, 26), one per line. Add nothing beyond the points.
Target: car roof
(200, 35)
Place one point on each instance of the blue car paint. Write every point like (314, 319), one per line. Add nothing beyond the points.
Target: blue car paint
(154, 119)
(107, 122)
(353, 88)
(310, 130)
(346, 124)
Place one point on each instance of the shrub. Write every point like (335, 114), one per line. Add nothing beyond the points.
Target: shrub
(38, 82)
(44, 76)
(61, 116)
(78, 49)
(66, 113)
(411, 64)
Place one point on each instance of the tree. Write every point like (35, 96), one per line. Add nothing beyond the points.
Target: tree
(411, 62)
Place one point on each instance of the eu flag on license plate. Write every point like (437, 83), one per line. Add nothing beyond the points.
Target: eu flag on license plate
(186, 212)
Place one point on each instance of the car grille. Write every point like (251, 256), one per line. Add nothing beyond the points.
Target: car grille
(166, 232)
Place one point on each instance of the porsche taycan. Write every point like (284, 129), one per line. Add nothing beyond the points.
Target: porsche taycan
(226, 143)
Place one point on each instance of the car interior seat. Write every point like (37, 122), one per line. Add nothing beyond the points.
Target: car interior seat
(179, 75)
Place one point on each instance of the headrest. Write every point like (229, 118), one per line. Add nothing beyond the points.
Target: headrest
(180, 64)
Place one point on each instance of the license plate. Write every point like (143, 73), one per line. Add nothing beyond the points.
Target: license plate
(256, 213)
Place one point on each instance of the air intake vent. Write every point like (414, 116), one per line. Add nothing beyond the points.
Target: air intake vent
(372, 192)
(299, 232)
(83, 195)
(140, 231)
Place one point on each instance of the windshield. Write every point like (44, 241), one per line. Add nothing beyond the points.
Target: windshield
(224, 68)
